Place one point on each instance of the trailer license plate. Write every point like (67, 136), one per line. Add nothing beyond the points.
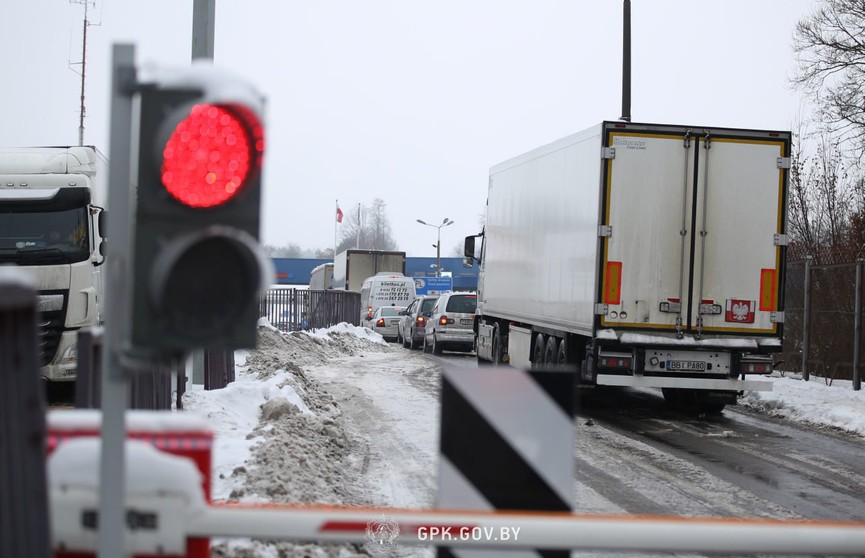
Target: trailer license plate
(695, 365)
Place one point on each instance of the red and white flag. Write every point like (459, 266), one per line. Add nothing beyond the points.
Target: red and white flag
(338, 215)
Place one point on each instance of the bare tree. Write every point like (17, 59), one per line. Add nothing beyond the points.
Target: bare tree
(367, 228)
(830, 49)
(822, 202)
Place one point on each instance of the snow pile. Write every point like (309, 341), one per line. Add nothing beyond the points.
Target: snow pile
(288, 430)
(814, 402)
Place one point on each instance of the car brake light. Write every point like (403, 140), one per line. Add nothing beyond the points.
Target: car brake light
(380, 322)
(444, 320)
(420, 320)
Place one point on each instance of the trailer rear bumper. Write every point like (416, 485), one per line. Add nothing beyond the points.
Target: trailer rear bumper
(686, 383)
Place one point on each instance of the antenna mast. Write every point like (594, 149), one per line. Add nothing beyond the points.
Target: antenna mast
(83, 67)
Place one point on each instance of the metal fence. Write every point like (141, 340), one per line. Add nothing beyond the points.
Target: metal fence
(297, 309)
(822, 320)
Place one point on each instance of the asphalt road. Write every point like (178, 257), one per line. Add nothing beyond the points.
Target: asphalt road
(634, 454)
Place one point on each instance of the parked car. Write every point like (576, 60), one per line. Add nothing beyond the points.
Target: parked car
(451, 324)
(385, 321)
(414, 319)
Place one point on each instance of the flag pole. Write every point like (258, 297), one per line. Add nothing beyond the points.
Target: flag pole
(359, 225)
(335, 225)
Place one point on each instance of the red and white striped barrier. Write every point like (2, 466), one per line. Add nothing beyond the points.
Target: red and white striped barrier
(531, 530)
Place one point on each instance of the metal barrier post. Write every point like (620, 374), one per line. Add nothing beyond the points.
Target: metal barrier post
(88, 386)
(24, 518)
(857, 326)
(219, 367)
(806, 316)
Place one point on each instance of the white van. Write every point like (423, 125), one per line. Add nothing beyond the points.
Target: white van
(387, 288)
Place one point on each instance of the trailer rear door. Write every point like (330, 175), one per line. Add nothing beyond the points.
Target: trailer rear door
(690, 229)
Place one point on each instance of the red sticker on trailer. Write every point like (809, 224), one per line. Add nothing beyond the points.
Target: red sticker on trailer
(740, 311)
(613, 283)
(767, 289)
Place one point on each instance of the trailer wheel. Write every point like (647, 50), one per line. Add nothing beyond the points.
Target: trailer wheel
(497, 347)
(562, 353)
(671, 395)
(538, 350)
(551, 350)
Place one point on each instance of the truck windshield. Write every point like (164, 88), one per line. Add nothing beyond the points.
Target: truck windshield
(43, 237)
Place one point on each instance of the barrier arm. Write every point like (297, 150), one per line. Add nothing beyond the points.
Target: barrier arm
(503, 529)
(163, 519)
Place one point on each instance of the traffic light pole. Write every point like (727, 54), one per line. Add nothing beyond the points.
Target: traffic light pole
(115, 390)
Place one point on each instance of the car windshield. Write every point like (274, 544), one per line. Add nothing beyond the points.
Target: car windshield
(462, 303)
(391, 311)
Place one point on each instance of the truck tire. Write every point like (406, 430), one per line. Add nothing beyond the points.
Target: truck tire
(538, 351)
(562, 354)
(497, 347)
(551, 350)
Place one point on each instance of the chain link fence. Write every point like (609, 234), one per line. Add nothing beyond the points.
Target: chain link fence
(822, 320)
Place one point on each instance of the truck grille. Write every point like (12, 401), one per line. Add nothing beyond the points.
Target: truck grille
(51, 324)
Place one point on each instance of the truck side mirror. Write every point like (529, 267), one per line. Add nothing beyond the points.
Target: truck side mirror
(102, 220)
(469, 248)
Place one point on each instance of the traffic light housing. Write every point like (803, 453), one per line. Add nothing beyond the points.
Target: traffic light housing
(197, 267)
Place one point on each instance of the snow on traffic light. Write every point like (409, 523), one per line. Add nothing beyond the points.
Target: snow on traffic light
(197, 266)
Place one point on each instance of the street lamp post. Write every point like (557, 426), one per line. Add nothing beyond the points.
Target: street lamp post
(438, 228)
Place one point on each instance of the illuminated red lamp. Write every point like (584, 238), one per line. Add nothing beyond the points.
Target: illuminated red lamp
(210, 155)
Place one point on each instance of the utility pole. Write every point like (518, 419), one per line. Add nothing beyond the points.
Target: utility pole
(626, 61)
(438, 243)
(203, 22)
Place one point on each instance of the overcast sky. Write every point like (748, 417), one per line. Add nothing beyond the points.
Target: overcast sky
(408, 101)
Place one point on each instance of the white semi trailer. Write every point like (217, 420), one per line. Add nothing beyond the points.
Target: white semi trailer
(641, 255)
(352, 267)
(51, 203)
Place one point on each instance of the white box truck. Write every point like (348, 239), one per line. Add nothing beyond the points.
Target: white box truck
(352, 267)
(52, 202)
(641, 255)
(321, 277)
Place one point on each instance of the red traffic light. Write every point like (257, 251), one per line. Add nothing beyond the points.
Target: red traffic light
(210, 154)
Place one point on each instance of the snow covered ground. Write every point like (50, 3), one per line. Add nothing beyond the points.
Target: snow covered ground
(336, 417)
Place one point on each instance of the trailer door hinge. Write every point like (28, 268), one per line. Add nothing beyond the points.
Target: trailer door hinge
(783, 162)
(780, 240)
(608, 153)
(776, 317)
(601, 309)
(605, 231)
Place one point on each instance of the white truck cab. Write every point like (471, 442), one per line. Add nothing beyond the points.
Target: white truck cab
(52, 208)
